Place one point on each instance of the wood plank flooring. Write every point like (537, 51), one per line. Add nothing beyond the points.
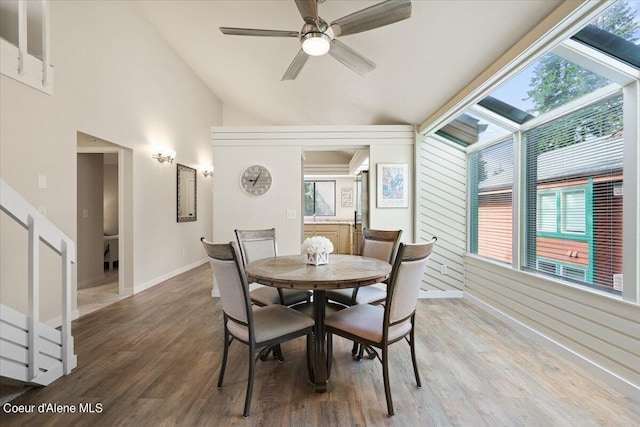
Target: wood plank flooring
(153, 359)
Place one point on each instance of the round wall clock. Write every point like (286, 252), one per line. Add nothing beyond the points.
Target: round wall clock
(256, 180)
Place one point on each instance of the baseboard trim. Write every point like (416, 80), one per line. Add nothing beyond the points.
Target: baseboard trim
(56, 322)
(440, 294)
(620, 384)
(156, 281)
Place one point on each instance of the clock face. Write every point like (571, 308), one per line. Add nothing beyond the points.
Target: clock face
(256, 180)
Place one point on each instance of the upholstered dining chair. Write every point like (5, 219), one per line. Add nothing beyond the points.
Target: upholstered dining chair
(257, 327)
(379, 244)
(379, 327)
(259, 244)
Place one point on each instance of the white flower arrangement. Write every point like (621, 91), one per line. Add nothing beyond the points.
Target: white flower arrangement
(317, 245)
(317, 249)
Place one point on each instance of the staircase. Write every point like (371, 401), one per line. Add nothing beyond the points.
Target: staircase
(31, 351)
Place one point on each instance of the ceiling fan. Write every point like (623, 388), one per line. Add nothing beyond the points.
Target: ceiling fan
(318, 37)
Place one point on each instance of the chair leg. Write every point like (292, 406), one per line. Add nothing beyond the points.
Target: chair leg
(329, 353)
(277, 353)
(412, 344)
(252, 367)
(355, 349)
(275, 349)
(360, 352)
(385, 375)
(224, 355)
(371, 354)
(264, 353)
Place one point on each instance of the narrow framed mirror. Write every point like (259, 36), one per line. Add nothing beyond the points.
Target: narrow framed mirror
(187, 194)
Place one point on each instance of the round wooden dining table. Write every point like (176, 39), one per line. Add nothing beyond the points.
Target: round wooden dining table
(342, 271)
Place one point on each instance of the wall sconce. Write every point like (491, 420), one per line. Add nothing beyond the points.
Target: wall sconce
(164, 155)
(206, 170)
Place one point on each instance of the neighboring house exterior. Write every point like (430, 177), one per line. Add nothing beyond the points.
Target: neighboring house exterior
(579, 212)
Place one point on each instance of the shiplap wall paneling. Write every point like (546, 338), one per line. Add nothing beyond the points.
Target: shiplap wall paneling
(604, 330)
(441, 203)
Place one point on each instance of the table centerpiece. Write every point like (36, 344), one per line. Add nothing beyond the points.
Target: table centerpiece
(317, 249)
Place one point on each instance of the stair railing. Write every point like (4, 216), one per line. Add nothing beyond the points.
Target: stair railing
(41, 229)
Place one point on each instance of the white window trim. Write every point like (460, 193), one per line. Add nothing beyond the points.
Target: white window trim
(18, 64)
(631, 200)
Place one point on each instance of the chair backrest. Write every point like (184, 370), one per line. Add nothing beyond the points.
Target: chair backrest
(226, 264)
(405, 279)
(256, 244)
(380, 244)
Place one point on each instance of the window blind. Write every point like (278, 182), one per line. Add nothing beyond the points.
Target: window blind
(490, 192)
(574, 191)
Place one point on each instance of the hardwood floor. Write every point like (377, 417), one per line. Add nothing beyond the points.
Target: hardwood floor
(154, 359)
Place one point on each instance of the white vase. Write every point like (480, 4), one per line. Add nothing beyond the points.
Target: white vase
(318, 259)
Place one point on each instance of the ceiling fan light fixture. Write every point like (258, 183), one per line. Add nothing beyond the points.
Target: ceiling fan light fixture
(316, 44)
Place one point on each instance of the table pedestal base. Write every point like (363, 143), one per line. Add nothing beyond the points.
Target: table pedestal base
(318, 374)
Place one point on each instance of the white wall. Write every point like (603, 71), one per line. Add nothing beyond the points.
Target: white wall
(117, 80)
(279, 148)
(233, 209)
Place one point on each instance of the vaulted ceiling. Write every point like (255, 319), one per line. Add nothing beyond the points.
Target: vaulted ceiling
(421, 62)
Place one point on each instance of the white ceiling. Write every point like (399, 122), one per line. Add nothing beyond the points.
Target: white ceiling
(421, 62)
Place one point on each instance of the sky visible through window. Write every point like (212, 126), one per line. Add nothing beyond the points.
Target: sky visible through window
(552, 81)
(514, 91)
(497, 159)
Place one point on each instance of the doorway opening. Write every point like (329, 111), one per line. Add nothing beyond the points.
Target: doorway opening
(103, 222)
(332, 194)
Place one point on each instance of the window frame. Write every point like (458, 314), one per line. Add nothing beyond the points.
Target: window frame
(314, 181)
(626, 81)
(560, 212)
(559, 267)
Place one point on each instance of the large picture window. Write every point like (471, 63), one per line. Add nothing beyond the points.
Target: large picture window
(545, 154)
(573, 164)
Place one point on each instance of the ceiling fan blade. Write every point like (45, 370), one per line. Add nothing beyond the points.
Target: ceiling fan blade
(308, 10)
(376, 16)
(351, 58)
(254, 32)
(296, 65)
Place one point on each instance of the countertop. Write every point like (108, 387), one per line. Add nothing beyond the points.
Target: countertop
(328, 221)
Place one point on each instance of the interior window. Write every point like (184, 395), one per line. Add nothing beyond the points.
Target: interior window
(320, 198)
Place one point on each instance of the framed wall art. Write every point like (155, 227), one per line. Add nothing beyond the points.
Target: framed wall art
(346, 199)
(393, 189)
